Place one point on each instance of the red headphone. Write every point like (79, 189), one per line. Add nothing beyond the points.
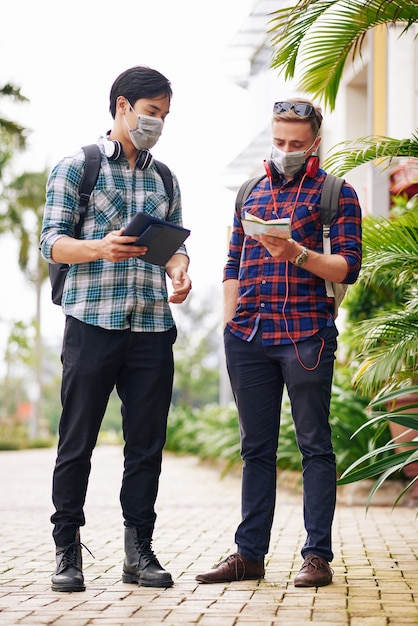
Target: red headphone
(268, 165)
(312, 166)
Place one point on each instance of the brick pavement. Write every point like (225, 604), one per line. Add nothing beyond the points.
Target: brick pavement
(375, 565)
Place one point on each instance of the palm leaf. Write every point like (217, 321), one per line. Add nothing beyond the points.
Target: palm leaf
(391, 246)
(347, 155)
(388, 341)
(405, 419)
(393, 396)
(369, 465)
(11, 91)
(320, 35)
(389, 346)
(393, 463)
(387, 475)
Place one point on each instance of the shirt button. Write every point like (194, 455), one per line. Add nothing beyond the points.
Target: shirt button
(262, 305)
(263, 282)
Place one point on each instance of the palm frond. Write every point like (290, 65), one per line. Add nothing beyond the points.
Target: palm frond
(391, 246)
(392, 463)
(11, 91)
(347, 155)
(390, 398)
(389, 348)
(320, 35)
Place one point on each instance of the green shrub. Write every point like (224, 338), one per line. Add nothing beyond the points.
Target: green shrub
(212, 432)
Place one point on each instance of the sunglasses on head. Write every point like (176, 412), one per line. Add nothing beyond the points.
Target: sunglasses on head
(303, 110)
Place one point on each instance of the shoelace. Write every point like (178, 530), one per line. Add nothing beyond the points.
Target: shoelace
(69, 554)
(317, 563)
(144, 547)
(236, 558)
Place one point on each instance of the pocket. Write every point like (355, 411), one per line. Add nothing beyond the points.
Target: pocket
(156, 205)
(109, 209)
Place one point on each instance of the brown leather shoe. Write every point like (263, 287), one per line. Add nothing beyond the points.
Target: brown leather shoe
(315, 572)
(234, 567)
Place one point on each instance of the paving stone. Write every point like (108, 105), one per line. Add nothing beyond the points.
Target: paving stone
(375, 564)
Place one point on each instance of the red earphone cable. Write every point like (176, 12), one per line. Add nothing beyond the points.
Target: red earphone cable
(310, 369)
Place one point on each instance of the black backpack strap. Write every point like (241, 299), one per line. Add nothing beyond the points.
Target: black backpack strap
(330, 197)
(88, 181)
(245, 190)
(167, 177)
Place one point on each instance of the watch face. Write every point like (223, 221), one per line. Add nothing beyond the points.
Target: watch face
(302, 257)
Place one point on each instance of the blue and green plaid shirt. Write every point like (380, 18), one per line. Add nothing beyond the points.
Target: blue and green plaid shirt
(128, 294)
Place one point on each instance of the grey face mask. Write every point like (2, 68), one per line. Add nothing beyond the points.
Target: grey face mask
(147, 132)
(288, 163)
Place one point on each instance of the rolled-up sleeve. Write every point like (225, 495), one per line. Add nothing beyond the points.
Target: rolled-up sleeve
(346, 233)
(231, 269)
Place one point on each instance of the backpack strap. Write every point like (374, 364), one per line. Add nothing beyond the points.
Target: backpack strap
(330, 198)
(245, 190)
(88, 181)
(167, 177)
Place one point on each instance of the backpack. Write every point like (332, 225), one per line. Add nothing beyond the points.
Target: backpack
(330, 197)
(58, 271)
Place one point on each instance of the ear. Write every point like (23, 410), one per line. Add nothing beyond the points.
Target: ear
(122, 105)
(317, 143)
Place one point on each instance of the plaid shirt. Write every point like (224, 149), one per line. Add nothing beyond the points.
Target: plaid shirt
(289, 302)
(128, 294)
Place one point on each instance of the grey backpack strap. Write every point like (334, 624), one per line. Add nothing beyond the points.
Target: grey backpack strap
(245, 190)
(330, 198)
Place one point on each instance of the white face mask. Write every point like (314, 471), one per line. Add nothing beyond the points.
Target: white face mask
(147, 132)
(288, 163)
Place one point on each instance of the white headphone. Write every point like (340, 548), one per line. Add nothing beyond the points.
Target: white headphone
(113, 150)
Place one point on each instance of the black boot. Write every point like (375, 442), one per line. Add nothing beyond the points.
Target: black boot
(141, 566)
(68, 574)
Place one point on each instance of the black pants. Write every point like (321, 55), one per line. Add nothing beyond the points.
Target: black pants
(94, 361)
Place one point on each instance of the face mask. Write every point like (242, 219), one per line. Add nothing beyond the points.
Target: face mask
(288, 163)
(147, 132)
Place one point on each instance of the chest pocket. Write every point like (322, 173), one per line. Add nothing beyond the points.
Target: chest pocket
(306, 223)
(156, 205)
(108, 210)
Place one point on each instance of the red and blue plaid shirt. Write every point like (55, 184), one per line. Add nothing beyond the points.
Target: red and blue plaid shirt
(288, 301)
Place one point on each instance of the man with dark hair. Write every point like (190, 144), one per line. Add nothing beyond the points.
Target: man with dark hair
(280, 331)
(119, 330)
(136, 83)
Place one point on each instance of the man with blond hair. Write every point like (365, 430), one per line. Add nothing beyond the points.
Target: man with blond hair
(279, 331)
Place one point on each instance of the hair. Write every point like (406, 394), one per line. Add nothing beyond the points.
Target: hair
(290, 116)
(139, 82)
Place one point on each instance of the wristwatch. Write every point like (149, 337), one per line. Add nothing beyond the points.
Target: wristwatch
(302, 257)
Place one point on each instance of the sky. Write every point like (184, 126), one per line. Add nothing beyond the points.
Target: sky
(65, 57)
